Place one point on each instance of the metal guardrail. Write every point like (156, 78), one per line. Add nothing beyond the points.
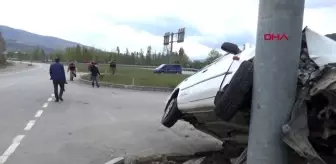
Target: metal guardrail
(123, 65)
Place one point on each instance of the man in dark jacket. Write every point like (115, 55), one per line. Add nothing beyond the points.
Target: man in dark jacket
(94, 73)
(113, 66)
(57, 75)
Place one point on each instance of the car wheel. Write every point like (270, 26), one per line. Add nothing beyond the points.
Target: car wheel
(235, 93)
(171, 114)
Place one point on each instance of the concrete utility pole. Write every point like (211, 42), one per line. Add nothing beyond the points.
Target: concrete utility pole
(275, 78)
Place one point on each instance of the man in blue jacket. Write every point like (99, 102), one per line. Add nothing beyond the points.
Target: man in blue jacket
(57, 75)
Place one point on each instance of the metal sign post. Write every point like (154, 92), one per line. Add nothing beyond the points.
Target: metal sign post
(168, 39)
(275, 78)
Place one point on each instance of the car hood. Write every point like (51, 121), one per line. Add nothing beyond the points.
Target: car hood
(321, 48)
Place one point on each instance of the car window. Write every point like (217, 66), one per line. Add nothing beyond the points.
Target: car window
(169, 67)
(215, 61)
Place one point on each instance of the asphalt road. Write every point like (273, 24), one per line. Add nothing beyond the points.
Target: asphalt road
(91, 126)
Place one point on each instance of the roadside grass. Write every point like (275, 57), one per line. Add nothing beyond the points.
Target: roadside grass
(135, 76)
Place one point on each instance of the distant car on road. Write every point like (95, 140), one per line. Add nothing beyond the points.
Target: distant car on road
(168, 68)
(217, 99)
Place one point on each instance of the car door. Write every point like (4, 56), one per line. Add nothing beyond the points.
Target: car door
(168, 69)
(186, 91)
(212, 79)
(164, 69)
(174, 69)
(220, 78)
(201, 92)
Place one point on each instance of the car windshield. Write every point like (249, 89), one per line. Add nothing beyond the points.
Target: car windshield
(160, 66)
(215, 61)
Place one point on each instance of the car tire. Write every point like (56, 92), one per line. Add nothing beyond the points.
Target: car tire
(236, 92)
(171, 114)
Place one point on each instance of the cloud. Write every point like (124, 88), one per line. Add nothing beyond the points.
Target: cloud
(319, 3)
(160, 25)
(239, 39)
(136, 24)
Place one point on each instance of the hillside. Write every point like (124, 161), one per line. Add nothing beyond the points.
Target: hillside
(17, 39)
(13, 45)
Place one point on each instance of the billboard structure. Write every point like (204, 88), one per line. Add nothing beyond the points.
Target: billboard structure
(168, 40)
(180, 35)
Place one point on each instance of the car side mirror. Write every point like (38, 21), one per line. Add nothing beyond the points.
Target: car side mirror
(230, 48)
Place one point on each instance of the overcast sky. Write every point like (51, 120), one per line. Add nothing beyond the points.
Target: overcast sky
(138, 23)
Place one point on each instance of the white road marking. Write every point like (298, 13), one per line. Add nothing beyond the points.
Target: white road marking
(17, 140)
(10, 150)
(45, 105)
(38, 113)
(29, 125)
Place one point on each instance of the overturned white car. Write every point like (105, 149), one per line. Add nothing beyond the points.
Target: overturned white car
(217, 99)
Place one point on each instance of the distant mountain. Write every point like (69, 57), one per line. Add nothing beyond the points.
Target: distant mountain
(17, 39)
(12, 45)
(332, 36)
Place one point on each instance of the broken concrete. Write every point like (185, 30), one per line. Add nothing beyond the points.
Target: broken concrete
(212, 157)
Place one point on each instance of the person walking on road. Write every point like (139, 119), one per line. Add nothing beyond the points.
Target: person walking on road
(94, 74)
(72, 69)
(57, 75)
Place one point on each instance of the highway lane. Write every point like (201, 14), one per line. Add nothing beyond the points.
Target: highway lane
(91, 126)
(19, 100)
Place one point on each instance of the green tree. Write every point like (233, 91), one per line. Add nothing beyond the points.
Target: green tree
(133, 58)
(86, 55)
(181, 57)
(36, 54)
(78, 53)
(142, 57)
(43, 55)
(118, 50)
(148, 55)
(212, 56)
(198, 64)
(2, 49)
(137, 56)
